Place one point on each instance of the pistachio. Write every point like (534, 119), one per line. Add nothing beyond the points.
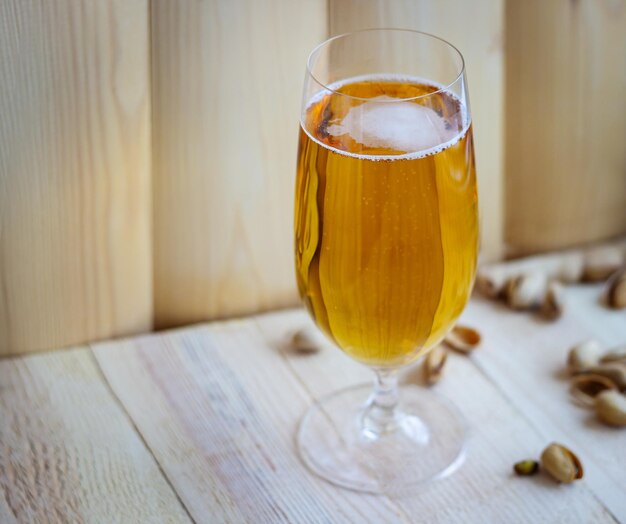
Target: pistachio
(602, 262)
(561, 463)
(304, 340)
(583, 356)
(614, 371)
(526, 291)
(617, 354)
(490, 281)
(462, 339)
(526, 467)
(616, 290)
(586, 387)
(434, 363)
(553, 301)
(611, 408)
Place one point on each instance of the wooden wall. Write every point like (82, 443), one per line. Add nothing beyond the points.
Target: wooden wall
(566, 123)
(227, 86)
(147, 147)
(75, 248)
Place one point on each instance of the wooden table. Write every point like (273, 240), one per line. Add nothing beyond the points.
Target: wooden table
(197, 424)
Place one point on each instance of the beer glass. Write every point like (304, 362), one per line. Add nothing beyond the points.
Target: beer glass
(386, 239)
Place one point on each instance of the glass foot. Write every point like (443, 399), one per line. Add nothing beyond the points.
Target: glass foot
(428, 442)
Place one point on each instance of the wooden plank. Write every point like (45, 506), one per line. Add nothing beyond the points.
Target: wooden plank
(566, 123)
(68, 452)
(75, 251)
(223, 432)
(481, 44)
(525, 357)
(219, 406)
(227, 83)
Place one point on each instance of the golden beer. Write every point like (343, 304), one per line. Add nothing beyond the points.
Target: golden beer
(386, 220)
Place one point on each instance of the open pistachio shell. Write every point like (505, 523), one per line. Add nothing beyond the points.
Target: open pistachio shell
(490, 281)
(304, 340)
(526, 291)
(561, 463)
(463, 339)
(616, 290)
(586, 387)
(553, 301)
(614, 371)
(617, 354)
(434, 363)
(583, 356)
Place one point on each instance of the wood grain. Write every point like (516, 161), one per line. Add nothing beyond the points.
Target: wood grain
(526, 358)
(480, 42)
(566, 123)
(75, 250)
(226, 83)
(219, 405)
(68, 452)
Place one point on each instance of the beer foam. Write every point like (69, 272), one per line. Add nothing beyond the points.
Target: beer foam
(401, 126)
(417, 129)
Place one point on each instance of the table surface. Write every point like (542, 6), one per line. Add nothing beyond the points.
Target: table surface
(197, 424)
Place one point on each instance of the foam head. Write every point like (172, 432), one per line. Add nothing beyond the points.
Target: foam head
(405, 127)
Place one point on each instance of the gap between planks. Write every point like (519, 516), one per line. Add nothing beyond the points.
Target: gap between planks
(133, 425)
(312, 399)
(267, 328)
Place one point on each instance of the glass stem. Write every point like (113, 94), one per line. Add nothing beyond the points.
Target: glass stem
(381, 414)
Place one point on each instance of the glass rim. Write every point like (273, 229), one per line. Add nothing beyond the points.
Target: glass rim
(328, 41)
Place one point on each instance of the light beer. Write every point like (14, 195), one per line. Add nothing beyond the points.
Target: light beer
(386, 221)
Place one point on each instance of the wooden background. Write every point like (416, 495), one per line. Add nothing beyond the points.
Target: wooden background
(147, 148)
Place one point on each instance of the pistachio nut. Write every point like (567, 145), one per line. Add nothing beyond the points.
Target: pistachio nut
(616, 290)
(490, 281)
(304, 340)
(526, 291)
(617, 354)
(614, 371)
(587, 386)
(553, 301)
(462, 339)
(526, 468)
(583, 356)
(434, 363)
(602, 262)
(561, 463)
(611, 408)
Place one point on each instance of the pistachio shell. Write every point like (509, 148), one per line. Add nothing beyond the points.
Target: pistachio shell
(602, 262)
(434, 363)
(617, 354)
(526, 291)
(526, 467)
(463, 339)
(583, 356)
(561, 463)
(305, 341)
(616, 290)
(614, 371)
(553, 302)
(611, 408)
(586, 387)
(490, 281)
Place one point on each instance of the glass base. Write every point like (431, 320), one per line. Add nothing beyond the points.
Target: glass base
(427, 444)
